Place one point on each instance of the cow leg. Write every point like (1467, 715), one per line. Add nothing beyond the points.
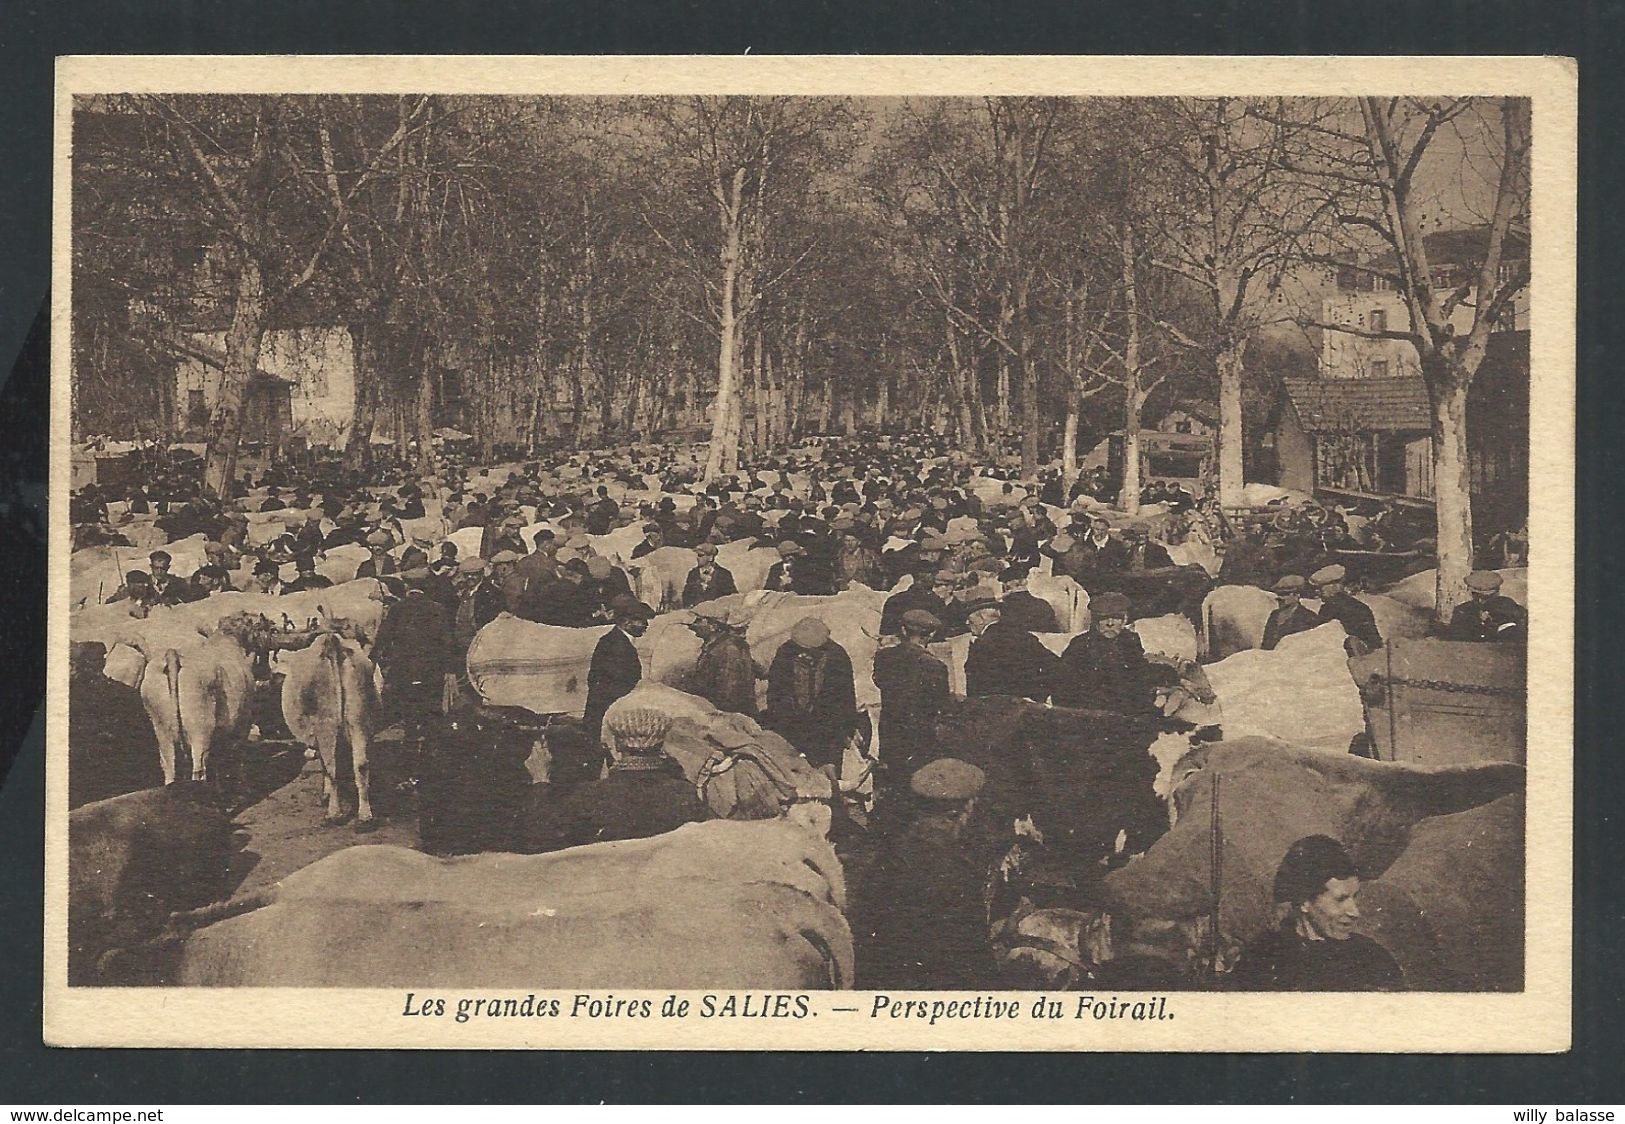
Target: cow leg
(327, 748)
(166, 755)
(363, 773)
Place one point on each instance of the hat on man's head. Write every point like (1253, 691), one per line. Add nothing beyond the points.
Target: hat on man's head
(599, 567)
(1063, 543)
(981, 603)
(921, 621)
(261, 568)
(213, 549)
(638, 727)
(706, 549)
(713, 610)
(1309, 864)
(1483, 581)
(789, 548)
(627, 607)
(1290, 583)
(809, 632)
(948, 779)
(653, 528)
(380, 538)
(473, 564)
(1326, 575)
(502, 556)
(1111, 604)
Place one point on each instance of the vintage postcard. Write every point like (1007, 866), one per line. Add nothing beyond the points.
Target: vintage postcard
(812, 553)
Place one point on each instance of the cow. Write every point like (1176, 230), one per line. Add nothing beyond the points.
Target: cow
(1156, 911)
(722, 904)
(205, 698)
(330, 703)
(133, 860)
(1233, 619)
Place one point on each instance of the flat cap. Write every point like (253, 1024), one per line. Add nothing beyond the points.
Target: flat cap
(713, 610)
(638, 727)
(599, 567)
(706, 549)
(1063, 543)
(504, 556)
(921, 620)
(1328, 574)
(1111, 604)
(1290, 583)
(982, 603)
(809, 632)
(788, 548)
(471, 565)
(948, 778)
(380, 538)
(1483, 581)
(629, 607)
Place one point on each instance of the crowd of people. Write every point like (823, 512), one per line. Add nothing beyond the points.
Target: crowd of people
(862, 512)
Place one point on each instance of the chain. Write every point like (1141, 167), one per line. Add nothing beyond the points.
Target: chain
(1456, 688)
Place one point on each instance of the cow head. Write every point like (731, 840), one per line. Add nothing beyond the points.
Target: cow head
(251, 631)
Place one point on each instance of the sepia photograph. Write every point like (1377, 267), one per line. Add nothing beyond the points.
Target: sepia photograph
(1046, 567)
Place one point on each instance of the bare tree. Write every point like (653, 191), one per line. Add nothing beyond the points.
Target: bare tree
(1370, 161)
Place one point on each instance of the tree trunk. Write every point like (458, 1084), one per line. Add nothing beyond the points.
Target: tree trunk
(1069, 440)
(1133, 387)
(1230, 364)
(363, 402)
(243, 340)
(424, 418)
(1129, 498)
(1452, 493)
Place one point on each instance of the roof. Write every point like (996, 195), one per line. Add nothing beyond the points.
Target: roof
(1364, 405)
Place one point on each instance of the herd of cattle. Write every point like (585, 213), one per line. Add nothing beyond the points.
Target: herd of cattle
(757, 898)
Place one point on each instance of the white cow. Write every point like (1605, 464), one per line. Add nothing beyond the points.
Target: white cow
(329, 701)
(204, 698)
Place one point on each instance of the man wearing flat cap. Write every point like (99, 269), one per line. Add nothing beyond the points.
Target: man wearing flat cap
(811, 694)
(724, 673)
(644, 793)
(615, 667)
(1105, 668)
(1486, 614)
(1291, 615)
(792, 573)
(707, 581)
(1338, 604)
(913, 687)
(479, 601)
(921, 922)
(307, 577)
(1316, 948)
(930, 593)
(379, 563)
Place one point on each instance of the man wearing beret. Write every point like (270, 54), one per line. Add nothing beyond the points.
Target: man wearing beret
(1292, 615)
(1338, 604)
(811, 694)
(1316, 948)
(1486, 614)
(921, 922)
(1105, 668)
(644, 792)
(913, 687)
(615, 667)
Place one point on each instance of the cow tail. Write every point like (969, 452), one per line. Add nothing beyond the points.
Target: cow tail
(172, 672)
(333, 651)
(1204, 641)
(184, 922)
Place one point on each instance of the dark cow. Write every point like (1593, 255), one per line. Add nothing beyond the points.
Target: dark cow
(1155, 912)
(136, 858)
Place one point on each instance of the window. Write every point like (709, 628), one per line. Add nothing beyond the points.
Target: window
(197, 410)
(1379, 319)
(1379, 368)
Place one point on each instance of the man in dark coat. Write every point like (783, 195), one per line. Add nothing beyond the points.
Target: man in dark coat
(920, 921)
(792, 573)
(1105, 668)
(654, 537)
(565, 601)
(811, 696)
(308, 578)
(1292, 616)
(707, 581)
(724, 673)
(1316, 948)
(615, 667)
(913, 687)
(1338, 604)
(602, 514)
(111, 747)
(479, 601)
(644, 793)
(1486, 615)
(416, 650)
(379, 563)
(1006, 658)
(929, 593)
